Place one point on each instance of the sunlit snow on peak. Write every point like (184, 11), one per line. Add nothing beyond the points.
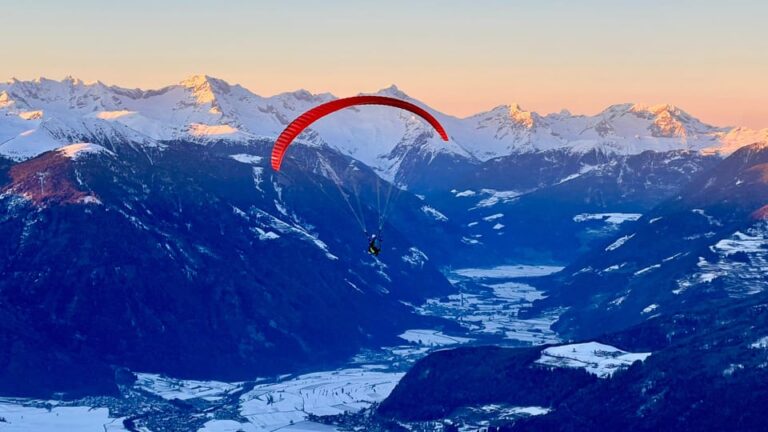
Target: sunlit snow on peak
(201, 130)
(74, 151)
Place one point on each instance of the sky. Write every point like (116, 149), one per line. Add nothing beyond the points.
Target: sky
(710, 58)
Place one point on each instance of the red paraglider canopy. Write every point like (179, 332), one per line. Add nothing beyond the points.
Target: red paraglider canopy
(303, 121)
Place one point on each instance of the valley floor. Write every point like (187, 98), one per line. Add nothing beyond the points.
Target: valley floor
(486, 307)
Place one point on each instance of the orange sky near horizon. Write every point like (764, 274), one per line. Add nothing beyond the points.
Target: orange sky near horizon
(706, 57)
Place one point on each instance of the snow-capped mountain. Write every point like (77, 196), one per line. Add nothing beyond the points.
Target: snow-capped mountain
(708, 242)
(595, 159)
(43, 114)
(622, 129)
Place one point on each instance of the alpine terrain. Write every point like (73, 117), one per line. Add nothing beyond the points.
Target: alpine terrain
(157, 274)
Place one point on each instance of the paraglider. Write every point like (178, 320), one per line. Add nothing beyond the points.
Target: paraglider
(296, 127)
(374, 244)
(303, 121)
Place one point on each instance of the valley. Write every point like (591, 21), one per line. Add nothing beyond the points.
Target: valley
(486, 310)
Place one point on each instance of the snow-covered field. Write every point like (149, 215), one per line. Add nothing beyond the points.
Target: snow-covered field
(494, 197)
(619, 242)
(247, 158)
(432, 338)
(740, 260)
(20, 418)
(493, 309)
(596, 358)
(270, 406)
(760, 343)
(235, 426)
(474, 419)
(503, 411)
(505, 272)
(481, 313)
(609, 218)
(170, 388)
(284, 403)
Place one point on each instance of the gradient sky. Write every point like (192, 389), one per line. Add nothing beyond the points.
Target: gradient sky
(460, 56)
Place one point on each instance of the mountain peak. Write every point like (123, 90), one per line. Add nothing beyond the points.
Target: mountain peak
(195, 81)
(73, 81)
(618, 108)
(519, 115)
(303, 94)
(658, 109)
(204, 87)
(648, 111)
(67, 80)
(304, 97)
(393, 91)
(508, 108)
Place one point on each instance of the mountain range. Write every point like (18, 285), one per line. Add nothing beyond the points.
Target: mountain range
(627, 157)
(144, 229)
(684, 285)
(707, 242)
(43, 114)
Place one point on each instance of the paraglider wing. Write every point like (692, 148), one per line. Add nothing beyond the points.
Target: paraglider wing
(303, 121)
